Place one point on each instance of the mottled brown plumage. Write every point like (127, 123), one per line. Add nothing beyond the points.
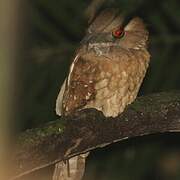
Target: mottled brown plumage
(81, 87)
(108, 68)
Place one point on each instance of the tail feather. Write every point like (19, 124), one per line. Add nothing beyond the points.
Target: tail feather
(72, 169)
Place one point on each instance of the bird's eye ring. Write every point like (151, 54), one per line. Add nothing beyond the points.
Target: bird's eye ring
(118, 33)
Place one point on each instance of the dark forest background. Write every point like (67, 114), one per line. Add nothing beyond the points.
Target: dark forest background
(52, 32)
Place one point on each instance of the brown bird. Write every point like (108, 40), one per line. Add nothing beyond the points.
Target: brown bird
(105, 74)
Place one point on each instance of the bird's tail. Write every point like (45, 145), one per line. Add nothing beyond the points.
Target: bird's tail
(72, 169)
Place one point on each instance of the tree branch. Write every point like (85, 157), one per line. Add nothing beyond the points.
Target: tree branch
(88, 129)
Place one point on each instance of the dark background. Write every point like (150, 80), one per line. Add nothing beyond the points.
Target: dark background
(52, 31)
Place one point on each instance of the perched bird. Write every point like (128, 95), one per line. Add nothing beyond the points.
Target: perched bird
(106, 74)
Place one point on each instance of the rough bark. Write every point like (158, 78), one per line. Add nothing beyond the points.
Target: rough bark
(88, 129)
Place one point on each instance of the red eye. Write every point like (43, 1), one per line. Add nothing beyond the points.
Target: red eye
(118, 33)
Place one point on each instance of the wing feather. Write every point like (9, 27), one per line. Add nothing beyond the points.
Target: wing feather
(59, 100)
(80, 86)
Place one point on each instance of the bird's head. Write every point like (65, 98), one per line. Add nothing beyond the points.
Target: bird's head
(110, 29)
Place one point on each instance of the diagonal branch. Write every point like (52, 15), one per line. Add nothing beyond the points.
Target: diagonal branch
(89, 129)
